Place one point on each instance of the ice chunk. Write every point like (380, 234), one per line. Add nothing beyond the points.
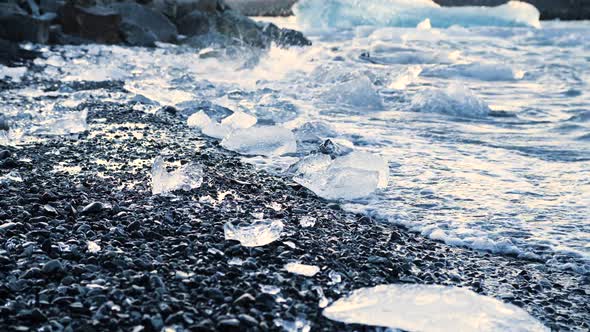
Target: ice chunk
(358, 92)
(302, 269)
(186, 177)
(429, 308)
(13, 73)
(299, 325)
(59, 124)
(335, 277)
(198, 120)
(424, 25)
(259, 233)
(352, 176)
(216, 130)
(239, 120)
(265, 140)
(326, 14)
(270, 289)
(13, 176)
(307, 221)
(405, 77)
(235, 261)
(323, 302)
(315, 131)
(455, 100)
(479, 71)
(93, 247)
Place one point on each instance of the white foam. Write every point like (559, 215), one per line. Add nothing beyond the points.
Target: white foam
(455, 100)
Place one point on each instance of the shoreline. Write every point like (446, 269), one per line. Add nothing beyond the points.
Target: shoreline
(164, 261)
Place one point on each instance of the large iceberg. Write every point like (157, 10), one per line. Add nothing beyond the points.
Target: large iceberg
(430, 308)
(264, 140)
(325, 14)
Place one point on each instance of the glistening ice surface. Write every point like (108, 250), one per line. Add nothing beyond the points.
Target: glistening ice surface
(486, 129)
(430, 308)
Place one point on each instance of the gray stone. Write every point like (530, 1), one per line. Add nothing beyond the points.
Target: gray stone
(17, 25)
(98, 24)
(146, 22)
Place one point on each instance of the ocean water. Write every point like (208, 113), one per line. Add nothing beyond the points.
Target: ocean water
(484, 122)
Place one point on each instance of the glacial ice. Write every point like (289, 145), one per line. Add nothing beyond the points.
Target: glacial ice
(455, 100)
(198, 120)
(429, 308)
(479, 71)
(302, 269)
(263, 140)
(307, 221)
(358, 92)
(186, 177)
(259, 233)
(13, 73)
(216, 130)
(58, 124)
(349, 177)
(327, 14)
(299, 325)
(239, 120)
(93, 247)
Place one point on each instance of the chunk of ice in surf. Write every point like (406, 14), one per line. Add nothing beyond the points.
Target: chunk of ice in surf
(359, 93)
(264, 140)
(455, 100)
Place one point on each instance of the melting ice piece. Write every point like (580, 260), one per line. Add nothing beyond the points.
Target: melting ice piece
(13, 176)
(326, 14)
(479, 71)
(239, 120)
(307, 221)
(352, 176)
(455, 100)
(299, 325)
(358, 92)
(302, 269)
(187, 177)
(270, 289)
(216, 130)
(62, 124)
(429, 308)
(265, 140)
(93, 247)
(424, 25)
(259, 233)
(335, 277)
(235, 261)
(198, 120)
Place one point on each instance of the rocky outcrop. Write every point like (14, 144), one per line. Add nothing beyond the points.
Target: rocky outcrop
(98, 24)
(262, 7)
(550, 9)
(17, 25)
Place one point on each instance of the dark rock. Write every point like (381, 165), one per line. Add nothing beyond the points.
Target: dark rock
(230, 324)
(248, 320)
(262, 7)
(140, 23)
(94, 207)
(194, 23)
(51, 6)
(177, 9)
(99, 24)
(53, 267)
(285, 37)
(17, 25)
(237, 27)
(245, 298)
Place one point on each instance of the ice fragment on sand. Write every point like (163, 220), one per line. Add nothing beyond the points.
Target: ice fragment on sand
(429, 308)
(235, 261)
(198, 120)
(265, 140)
(455, 100)
(299, 325)
(62, 124)
(239, 120)
(335, 277)
(187, 177)
(358, 92)
(13, 176)
(307, 221)
(270, 289)
(259, 233)
(352, 176)
(302, 269)
(93, 247)
(216, 130)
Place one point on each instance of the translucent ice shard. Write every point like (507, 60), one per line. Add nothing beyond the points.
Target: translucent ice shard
(299, 325)
(352, 176)
(216, 130)
(259, 233)
(239, 120)
(265, 140)
(270, 289)
(186, 177)
(307, 221)
(358, 92)
(429, 308)
(302, 269)
(93, 247)
(326, 14)
(61, 124)
(198, 120)
(455, 100)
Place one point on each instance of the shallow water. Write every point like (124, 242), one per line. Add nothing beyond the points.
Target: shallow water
(486, 129)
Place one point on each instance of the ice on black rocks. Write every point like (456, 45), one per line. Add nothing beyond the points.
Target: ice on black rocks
(186, 177)
(259, 233)
(429, 308)
(264, 140)
(302, 269)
